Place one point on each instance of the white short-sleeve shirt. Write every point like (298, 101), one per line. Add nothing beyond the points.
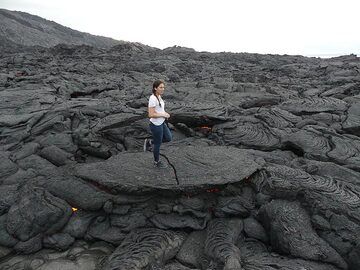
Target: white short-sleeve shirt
(154, 102)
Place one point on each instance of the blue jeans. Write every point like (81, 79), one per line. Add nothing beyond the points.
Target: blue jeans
(160, 134)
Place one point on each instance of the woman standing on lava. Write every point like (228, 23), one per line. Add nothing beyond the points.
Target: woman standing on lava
(158, 126)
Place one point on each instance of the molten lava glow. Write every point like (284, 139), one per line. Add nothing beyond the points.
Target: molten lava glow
(206, 128)
(74, 209)
(213, 190)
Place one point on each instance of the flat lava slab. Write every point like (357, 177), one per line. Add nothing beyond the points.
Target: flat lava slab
(189, 167)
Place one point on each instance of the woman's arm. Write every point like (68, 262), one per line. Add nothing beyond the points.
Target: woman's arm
(153, 114)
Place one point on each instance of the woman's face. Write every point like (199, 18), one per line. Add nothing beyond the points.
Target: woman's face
(160, 89)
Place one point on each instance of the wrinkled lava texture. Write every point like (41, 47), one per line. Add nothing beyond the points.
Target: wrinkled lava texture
(263, 171)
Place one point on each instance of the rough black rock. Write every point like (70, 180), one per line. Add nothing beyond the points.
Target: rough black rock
(263, 171)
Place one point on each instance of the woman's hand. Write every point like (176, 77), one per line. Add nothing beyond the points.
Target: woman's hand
(166, 115)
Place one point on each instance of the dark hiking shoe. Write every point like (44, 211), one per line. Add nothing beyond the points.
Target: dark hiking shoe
(148, 145)
(160, 165)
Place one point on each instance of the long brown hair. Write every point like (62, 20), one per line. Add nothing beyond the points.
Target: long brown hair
(156, 85)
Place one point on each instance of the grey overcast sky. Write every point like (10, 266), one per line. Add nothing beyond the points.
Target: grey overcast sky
(306, 27)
